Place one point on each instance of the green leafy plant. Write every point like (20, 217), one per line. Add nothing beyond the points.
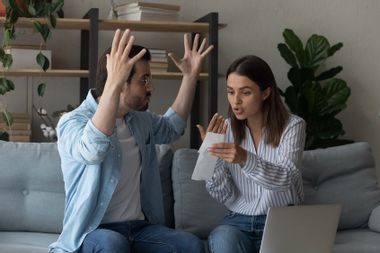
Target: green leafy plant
(44, 14)
(315, 96)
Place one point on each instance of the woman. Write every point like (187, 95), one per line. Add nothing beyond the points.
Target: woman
(258, 164)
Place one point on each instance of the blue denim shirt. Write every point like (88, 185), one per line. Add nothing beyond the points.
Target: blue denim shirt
(90, 162)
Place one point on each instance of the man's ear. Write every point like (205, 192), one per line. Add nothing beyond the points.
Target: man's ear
(266, 93)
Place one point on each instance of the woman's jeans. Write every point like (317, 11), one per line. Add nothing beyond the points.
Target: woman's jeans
(238, 233)
(141, 237)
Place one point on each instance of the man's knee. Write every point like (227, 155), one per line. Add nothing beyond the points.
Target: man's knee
(103, 240)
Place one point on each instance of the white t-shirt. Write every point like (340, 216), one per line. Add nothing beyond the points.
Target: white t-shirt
(125, 204)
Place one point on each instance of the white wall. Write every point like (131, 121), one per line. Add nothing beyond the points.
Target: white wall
(255, 27)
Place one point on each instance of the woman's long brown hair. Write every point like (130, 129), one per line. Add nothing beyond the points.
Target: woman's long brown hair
(275, 113)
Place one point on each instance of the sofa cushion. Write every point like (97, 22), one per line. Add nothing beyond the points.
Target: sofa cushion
(31, 187)
(17, 242)
(374, 220)
(360, 240)
(195, 210)
(346, 175)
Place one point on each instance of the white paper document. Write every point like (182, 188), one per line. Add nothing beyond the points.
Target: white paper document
(204, 168)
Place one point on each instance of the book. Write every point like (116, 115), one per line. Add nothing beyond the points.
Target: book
(146, 10)
(15, 126)
(21, 121)
(158, 59)
(148, 16)
(14, 132)
(19, 117)
(19, 138)
(124, 7)
(158, 64)
(157, 52)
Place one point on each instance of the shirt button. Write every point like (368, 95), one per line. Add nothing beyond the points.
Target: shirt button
(118, 155)
(25, 192)
(112, 180)
(101, 203)
(90, 228)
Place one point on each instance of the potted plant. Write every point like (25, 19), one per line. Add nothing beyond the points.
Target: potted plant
(315, 96)
(47, 12)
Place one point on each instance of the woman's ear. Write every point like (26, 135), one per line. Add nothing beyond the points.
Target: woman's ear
(266, 93)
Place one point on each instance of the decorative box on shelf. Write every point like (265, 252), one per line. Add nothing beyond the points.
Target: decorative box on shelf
(24, 56)
(20, 129)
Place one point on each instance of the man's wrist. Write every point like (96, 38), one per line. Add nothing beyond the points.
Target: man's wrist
(191, 78)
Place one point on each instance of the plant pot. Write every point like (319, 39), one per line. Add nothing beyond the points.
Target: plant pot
(2, 9)
(20, 3)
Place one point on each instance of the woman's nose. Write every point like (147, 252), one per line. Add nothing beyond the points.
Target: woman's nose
(237, 100)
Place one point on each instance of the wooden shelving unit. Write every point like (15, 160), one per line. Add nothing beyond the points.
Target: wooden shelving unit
(90, 25)
(84, 24)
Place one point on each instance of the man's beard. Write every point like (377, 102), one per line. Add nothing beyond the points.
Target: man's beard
(143, 107)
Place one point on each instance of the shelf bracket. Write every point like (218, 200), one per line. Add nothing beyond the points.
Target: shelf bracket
(213, 20)
(89, 52)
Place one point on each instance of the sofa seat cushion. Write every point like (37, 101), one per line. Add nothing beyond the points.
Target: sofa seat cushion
(345, 175)
(20, 242)
(357, 240)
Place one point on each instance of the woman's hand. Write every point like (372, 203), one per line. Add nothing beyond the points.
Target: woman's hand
(191, 62)
(229, 152)
(217, 125)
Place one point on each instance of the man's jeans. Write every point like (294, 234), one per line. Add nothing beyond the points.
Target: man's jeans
(141, 237)
(238, 233)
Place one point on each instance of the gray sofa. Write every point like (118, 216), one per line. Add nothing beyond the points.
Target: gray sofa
(32, 195)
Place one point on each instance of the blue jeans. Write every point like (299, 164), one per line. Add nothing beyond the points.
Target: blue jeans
(238, 233)
(141, 237)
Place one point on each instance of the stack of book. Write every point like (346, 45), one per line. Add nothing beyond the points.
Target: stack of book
(159, 60)
(20, 129)
(147, 11)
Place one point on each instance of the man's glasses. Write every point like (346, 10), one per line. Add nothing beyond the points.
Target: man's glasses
(147, 80)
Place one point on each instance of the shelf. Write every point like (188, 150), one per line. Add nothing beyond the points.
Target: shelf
(156, 26)
(62, 23)
(174, 75)
(83, 73)
(49, 73)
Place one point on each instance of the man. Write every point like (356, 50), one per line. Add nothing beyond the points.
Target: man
(107, 149)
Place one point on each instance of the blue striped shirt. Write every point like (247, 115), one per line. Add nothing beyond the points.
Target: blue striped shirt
(270, 176)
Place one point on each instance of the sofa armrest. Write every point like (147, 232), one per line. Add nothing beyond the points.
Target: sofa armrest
(374, 220)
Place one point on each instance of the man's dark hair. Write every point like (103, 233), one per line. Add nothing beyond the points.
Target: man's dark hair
(101, 73)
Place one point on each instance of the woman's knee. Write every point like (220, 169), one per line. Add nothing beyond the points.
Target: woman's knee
(189, 243)
(224, 238)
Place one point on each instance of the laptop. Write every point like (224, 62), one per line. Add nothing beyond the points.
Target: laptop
(300, 229)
